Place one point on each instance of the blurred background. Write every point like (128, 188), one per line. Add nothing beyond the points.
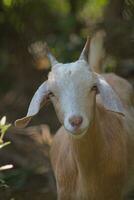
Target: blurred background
(64, 25)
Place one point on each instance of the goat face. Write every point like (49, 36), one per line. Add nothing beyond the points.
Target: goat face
(72, 89)
(73, 93)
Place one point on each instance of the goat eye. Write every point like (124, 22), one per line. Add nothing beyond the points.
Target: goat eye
(51, 94)
(94, 88)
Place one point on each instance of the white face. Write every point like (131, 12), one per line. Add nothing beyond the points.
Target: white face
(73, 95)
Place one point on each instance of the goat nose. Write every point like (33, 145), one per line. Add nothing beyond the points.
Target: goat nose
(76, 121)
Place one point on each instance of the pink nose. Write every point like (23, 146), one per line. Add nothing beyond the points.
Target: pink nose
(76, 121)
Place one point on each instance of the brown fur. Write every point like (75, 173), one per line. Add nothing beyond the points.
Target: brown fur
(95, 166)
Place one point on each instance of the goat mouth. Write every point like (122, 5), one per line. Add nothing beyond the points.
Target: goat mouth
(77, 133)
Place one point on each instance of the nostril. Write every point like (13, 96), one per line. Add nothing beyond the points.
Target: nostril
(76, 121)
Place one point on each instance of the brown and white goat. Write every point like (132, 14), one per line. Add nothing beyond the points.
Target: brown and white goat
(92, 153)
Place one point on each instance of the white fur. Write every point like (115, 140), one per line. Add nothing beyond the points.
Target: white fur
(72, 83)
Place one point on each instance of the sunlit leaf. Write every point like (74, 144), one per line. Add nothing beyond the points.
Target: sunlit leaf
(93, 10)
(7, 3)
(4, 144)
(5, 167)
(3, 121)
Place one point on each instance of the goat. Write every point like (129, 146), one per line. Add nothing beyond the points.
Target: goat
(92, 153)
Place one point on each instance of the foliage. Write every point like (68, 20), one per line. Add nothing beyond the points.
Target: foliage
(3, 128)
(93, 10)
(58, 22)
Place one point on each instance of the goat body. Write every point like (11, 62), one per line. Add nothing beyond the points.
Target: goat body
(96, 166)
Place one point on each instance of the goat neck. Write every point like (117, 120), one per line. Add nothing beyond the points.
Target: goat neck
(98, 155)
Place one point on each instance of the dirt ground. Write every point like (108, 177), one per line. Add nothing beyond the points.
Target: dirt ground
(37, 187)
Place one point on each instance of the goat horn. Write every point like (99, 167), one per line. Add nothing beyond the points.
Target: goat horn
(85, 52)
(52, 59)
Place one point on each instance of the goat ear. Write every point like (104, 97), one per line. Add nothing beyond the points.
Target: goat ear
(39, 99)
(109, 97)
